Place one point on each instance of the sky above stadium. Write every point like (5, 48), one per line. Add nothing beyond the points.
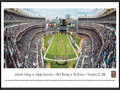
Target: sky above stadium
(53, 13)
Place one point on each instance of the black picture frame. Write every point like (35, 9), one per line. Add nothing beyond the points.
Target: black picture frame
(53, 87)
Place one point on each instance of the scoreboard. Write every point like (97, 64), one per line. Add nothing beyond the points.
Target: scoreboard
(63, 22)
(52, 24)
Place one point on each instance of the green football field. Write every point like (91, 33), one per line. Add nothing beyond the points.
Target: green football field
(60, 48)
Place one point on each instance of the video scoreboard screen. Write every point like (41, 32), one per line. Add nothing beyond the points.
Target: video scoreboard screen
(63, 22)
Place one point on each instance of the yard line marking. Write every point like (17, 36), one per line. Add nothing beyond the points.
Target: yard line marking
(61, 59)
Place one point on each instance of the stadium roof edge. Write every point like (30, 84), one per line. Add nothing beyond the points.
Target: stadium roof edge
(100, 14)
(22, 13)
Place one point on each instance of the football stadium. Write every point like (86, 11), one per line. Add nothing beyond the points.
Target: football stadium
(34, 41)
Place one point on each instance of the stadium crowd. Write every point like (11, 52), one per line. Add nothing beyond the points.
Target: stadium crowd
(12, 56)
(28, 44)
(17, 17)
(106, 55)
(103, 19)
(16, 43)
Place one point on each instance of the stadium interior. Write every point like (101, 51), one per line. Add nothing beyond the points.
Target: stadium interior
(26, 40)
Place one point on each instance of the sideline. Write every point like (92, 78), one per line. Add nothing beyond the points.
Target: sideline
(48, 47)
(72, 47)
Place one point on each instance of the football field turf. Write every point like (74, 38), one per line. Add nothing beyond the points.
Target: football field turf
(60, 48)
